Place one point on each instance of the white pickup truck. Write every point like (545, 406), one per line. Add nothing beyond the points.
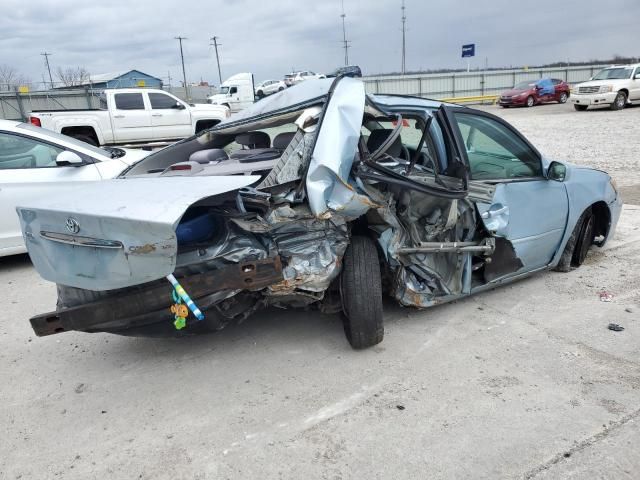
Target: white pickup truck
(616, 87)
(130, 116)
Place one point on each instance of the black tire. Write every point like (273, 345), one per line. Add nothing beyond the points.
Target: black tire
(361, 293)
(563, 97)
(260, 94)
(530, 102)
(620, 101)
(87, 139)
(280, 89)
(580, 108)
(579, 243)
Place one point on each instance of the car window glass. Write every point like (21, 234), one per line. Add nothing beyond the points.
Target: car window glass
(161, 101)
(272, 132)
(494, 151)
(129, 101)
(22, 152)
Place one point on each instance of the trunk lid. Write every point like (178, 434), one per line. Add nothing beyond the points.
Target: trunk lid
(116, 233)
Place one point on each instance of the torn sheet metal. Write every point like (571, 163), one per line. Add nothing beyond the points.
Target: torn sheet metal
(327, 182)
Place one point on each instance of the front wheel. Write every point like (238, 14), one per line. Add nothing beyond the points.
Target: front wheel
(361, 294)
(530, 101)
(581, 239)
(580, 108)
(619, 102)
(563, 97)
(260, 93)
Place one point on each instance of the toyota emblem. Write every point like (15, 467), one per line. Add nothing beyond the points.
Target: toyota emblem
(72, 225)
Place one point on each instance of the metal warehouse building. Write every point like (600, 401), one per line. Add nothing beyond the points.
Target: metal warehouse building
(127, 79)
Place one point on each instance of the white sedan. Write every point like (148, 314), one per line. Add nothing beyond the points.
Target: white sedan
(36, 163)
(269, 86)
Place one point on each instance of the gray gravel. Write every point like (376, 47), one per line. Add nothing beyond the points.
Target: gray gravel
(525, 381)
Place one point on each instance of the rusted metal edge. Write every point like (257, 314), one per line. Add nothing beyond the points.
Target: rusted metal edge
(252, 275)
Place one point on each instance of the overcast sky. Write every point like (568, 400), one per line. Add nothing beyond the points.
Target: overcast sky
(270, 37)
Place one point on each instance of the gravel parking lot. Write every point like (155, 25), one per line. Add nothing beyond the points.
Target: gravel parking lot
(525, 381)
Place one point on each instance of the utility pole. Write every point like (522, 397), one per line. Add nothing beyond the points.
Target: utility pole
(184, 75)
(46, 61)
(345, 42)
(216, 45)
(404, 44)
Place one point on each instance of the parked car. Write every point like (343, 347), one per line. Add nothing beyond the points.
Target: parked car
(616, 87)
(268, 87)
(38, 163)
(297, 77)
(235, 93)
(532, 93)
(345, 197)
(346, 71)
(130, 116)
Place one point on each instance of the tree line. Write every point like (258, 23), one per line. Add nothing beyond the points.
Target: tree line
(11, 79)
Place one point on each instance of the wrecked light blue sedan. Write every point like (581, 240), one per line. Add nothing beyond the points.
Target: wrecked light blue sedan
(319, 196)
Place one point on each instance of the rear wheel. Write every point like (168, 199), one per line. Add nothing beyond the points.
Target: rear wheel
(530, 101)
(580, 108)
(361, 293)
(260, 93)
(86, 139)
(563, 97)
(579, 243)
(619, 102)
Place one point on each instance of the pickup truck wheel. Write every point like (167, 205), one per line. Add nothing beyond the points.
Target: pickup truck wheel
(361, 294)
(86, 139)
(619, 102)
(530, 101)
(580, 108)
(581, 239)
(563, 97)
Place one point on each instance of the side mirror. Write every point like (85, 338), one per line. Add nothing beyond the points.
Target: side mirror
(67, 158)
(179, 106)
(557, 171)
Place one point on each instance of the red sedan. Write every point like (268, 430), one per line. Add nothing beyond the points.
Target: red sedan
(532, 93)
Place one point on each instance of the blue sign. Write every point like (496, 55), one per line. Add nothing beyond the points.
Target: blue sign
(469, 50)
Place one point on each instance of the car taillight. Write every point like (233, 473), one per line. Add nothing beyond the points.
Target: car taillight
(35, 121)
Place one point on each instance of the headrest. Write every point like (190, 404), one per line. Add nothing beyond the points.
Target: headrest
(209, 155)
(377, 138)
(282, 140)
(254, 139)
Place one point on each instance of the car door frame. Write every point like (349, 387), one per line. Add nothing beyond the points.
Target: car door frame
(497, 182)
(125, 134)
(165, 130)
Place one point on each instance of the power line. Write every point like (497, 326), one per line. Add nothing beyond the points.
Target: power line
(46, 61)
(404, 43)
(216, 45)
(184, 74)
(345, 42)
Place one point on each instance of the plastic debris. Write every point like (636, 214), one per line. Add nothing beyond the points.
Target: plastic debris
(605, 296)
(615, 327)
(185, 297)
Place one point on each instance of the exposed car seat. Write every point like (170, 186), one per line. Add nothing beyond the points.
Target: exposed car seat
(378, 137)
(282, 140)
(253, 140)
(257, 151)
(208, 156)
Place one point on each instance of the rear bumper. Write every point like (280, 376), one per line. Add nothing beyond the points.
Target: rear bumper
(145, 305)
(593, 98)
